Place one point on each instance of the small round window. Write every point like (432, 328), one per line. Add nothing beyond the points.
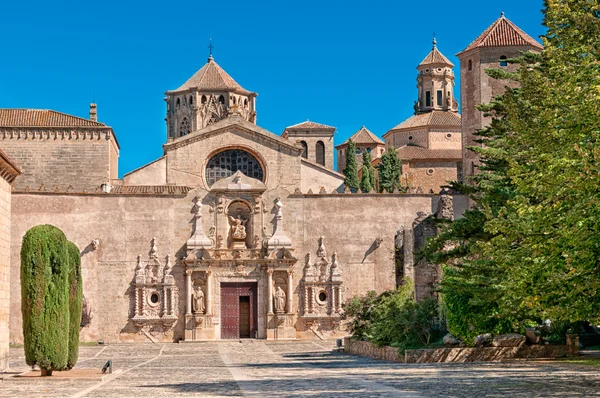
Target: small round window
(449, 135)
(410, 137)
(153, 299)
(430, 171)
(322, 296)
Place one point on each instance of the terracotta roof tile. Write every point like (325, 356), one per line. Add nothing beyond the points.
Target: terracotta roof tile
(308, 125)
(413, 152)
(433, 118)
(42, 118)
(503, 33)
(212, 77)
(363, 136)
(436, 57)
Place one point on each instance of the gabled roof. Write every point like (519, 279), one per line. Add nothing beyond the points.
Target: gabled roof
(414, 152)
(503, 33)
(435, 57)
(433, 118)
(42, 118)
(363, 137)
(308, 125)
(223, 125)
(211, 77)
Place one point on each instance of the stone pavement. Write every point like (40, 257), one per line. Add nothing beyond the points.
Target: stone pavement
(254, 368)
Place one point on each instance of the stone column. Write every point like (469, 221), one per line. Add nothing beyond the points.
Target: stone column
(289, 291)
(270, 291)
(209, 294)
(188, 298)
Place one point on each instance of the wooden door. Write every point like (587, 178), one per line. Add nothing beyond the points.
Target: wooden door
(238, 310)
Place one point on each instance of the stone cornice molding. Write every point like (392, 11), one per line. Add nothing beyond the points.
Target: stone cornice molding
(59, 133)
(234, 124)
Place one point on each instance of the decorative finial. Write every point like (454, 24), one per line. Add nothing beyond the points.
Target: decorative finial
(502, 14)
(434, 41)
(210, 48)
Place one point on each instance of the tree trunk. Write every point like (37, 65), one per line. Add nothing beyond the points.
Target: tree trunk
(46, 372)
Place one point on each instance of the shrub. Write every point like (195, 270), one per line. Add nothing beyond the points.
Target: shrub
(400, 321)
(360, 310)
(75, 302)
(45, 298)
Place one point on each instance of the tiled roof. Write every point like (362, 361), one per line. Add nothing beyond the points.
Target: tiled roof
(436, 57)
(115, 190)
(42, 118)
(364, 136)
(433, 118)
(503, 33)
(212, 77)
(307, 125)
(411, 152)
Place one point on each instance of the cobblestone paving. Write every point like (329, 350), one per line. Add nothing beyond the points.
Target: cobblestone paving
(294, 369)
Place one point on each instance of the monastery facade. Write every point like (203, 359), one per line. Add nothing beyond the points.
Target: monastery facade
(237, 232)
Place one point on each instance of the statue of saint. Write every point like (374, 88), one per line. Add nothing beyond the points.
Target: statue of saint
(238, 229)
(279, 300)
(198, 301)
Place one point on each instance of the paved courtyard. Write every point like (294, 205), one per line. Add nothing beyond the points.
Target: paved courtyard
(294, 369)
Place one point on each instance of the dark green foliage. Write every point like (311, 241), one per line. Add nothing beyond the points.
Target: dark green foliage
(367, 182)
(75, 302)
(45, 297)
(394, 318)
(351, 169)
(529, 250)
(390, 171)
(360, 310)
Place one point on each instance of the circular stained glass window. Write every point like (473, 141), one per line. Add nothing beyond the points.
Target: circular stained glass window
(225, 164)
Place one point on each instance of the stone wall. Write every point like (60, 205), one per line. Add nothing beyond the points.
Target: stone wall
(351, 225)
(431, 175)
(5, 220)
(460, 354)
(83, 158)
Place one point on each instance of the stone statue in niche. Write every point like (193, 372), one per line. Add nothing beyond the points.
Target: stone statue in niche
(279, 300)
(321, 250)
(153, 250)
(198, 306)
(139, 268)
(238, 227)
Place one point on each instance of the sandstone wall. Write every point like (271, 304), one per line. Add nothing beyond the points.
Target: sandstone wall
(82, 158)
(314, 177)
(5, 222)
(154, 173)
(431, 175)
(351, 225)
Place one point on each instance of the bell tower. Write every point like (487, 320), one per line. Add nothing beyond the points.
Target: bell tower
(205, 98)
(435, 83)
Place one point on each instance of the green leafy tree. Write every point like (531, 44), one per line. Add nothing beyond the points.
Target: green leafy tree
(367, 182)
(45, 298)
(75, 284)
(390, 171)
(351, 169)
(529, 249)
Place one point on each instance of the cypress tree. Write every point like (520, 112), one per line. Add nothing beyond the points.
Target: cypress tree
(367, 173)
(75, 302)
(351, 169)
(45, 298)
(390, 170)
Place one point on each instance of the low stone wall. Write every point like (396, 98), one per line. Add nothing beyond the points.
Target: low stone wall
(459, 354)
(366, 349)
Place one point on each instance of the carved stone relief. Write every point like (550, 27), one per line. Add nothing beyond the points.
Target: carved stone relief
(154, 294)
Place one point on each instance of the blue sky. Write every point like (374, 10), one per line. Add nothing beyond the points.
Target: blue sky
(343, 63)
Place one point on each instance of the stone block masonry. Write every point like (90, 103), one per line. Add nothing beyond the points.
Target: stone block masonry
(81, 158)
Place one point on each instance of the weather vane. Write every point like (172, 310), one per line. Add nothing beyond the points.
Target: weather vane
(210, 48)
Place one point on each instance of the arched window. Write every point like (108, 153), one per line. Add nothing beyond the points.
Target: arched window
(503, 61)
(369, 150)
(203, 99)
(224, 164)
(234, 100)
(470, 65)
(177, 103)
(246, 102)
(184, 126)
(191, 100)
(221, 99)
(305, 149)
(320, 152)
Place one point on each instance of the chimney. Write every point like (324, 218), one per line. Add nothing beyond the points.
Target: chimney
(93, 113)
